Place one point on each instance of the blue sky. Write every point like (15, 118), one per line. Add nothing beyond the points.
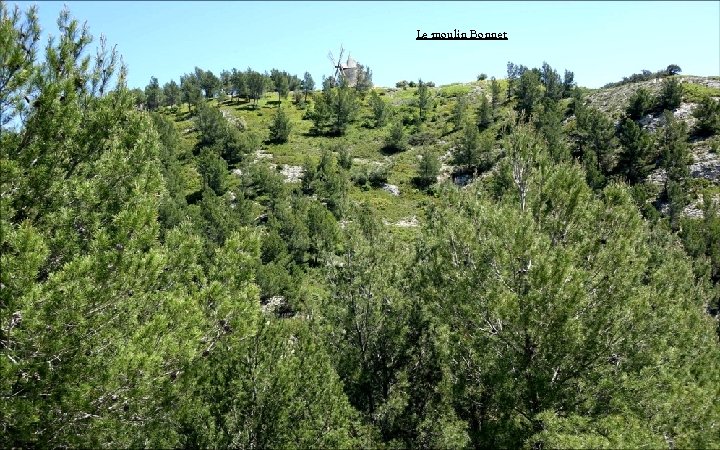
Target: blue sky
(599, 41)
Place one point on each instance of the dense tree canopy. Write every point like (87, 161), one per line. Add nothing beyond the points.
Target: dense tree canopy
(163, 285)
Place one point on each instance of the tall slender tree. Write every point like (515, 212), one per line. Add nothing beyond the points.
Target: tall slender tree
(308, 84)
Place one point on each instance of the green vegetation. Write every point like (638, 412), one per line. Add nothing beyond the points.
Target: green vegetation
(640, 104)
(280, 127)
(707, 114)
(428, 168)
(171, 279)
(646, 75)
(670, 96)
(396, 139)
(694, 93)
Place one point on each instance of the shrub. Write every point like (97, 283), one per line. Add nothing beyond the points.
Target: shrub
(707, 114)
(421, 137)
(380, 109)
(280, 127)
(360, 176)
(396, 139)
(673, 69)
(378, 175)
(428, 169)
(344, 158)
(670, 95)
(640, 103)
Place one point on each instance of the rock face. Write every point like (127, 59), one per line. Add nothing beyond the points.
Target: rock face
(238, 122)
(694, 210)
(292, 174)
(651, 123)
(259, 154)
(684, 112)
(391, 188)
(614, 100)
(462, 179)
(658, 177)
(410, 222)
(278, 306)
(706, 165)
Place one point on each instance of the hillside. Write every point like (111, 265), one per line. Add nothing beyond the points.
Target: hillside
(249, 261)
(400, 202)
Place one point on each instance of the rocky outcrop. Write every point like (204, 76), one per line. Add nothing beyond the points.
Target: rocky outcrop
(706, 165)
(278, 306)
(410, 222)
(657, 177)
(391, 188)
(292, 174)
(259, 154)
(614, 100)
(239, 122)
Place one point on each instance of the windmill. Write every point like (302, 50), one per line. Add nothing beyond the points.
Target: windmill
(342, 71)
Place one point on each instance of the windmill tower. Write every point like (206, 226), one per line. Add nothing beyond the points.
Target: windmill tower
(344, 71)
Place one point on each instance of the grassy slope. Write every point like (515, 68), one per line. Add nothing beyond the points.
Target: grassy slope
(366, 143)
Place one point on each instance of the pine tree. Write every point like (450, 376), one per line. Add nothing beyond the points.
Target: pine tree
(552, 83)
(428, 168)
(484, 114)
(675, 158)
(367, 320)
(208, 82)
(557, 344)
(171, 93)
(528, 93)
(674, 148)
(191, 93)
(308, 84)
(640, 103)
(707, 114)
(459, 112)
(363, 82)
(323, 231)
(380, 109)
(256, 85)
(549, 123)
(467, 148)
(568, 84)
(634, 160)
(424, 102)
(335, 109)
(396, 139)
(495, 94)
(153, 95)
(19, 49)
(280, 84)
(213, 170)
(596, 144)
(670, 95)
(280, 127)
